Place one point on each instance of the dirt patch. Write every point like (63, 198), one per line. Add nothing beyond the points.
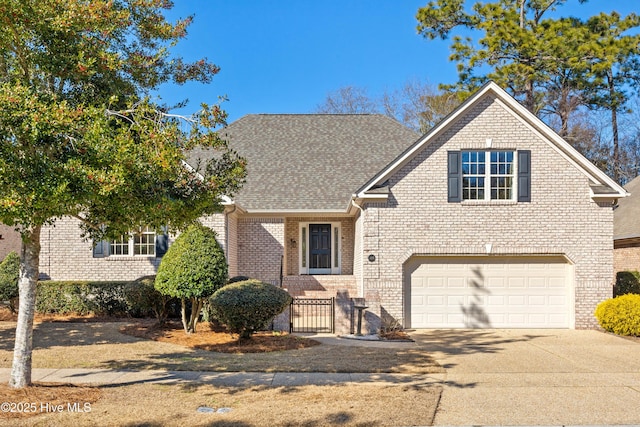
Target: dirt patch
(212, 337)
(177, 405)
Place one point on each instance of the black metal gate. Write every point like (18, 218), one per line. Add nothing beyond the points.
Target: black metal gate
(312, 315)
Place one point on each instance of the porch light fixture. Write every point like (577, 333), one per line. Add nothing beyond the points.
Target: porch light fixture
(293, 243)
(371, 258)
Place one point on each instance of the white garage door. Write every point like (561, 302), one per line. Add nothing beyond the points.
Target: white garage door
(489, 292)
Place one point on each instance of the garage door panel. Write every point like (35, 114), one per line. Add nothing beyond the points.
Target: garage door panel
(558, 300)
(537, 300)
(517, 300)
(556, 282)
(490, 292)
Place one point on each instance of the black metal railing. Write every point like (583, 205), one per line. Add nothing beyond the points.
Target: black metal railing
(312, 315)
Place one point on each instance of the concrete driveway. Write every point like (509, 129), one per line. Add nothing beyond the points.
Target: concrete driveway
(535, 377)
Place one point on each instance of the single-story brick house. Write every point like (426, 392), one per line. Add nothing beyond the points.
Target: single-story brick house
(488, 220)
(626, 230)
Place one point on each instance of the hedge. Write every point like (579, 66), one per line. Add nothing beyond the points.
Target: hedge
(135, 299)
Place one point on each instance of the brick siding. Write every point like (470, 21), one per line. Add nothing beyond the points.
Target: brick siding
(11, 241)
(260, 248)
(626, 259)
(417, 219)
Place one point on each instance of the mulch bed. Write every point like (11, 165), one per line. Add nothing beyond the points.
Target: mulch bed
(213, 337)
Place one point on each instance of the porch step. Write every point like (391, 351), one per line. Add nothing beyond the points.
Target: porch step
(321, 286)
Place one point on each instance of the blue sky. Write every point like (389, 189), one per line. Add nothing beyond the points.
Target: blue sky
(285, 56)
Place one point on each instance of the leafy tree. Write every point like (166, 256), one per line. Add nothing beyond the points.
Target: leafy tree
(553, 65)
(193, 268)
(79, 138)
(613, 70)
(9, 271)
(515, 43)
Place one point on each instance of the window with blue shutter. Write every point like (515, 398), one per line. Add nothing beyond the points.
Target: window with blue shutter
(488, 175)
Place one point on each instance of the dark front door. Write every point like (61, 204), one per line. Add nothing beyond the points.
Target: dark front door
(319, 248)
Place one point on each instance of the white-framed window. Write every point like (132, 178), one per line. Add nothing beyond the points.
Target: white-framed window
(145, 242)
(142, 243)
(488, 175)
(320, 248)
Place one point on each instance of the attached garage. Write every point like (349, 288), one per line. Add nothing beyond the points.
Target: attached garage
(489, 292)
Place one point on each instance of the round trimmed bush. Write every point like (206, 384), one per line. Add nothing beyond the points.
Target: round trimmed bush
(248, 306)
(620, 315)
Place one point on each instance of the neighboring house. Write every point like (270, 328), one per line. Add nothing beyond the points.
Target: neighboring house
(626, 230)
(9, 241)
(488, 220)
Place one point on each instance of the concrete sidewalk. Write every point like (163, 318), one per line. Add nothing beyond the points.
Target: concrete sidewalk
(230, 379)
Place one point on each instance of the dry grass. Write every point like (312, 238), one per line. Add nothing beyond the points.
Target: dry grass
(177, 404)
(87, 342)
(102, 345)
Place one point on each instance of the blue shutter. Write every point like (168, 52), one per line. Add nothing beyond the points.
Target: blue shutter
(524, 176)
(454, 176)
(101, 249)
(162, 244)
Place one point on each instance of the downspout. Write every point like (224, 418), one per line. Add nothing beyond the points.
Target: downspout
(361, 279)
(226, 233)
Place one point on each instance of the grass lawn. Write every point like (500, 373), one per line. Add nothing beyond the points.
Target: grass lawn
(103, 345)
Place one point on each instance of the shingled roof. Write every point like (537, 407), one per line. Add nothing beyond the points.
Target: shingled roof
(310, 162)
(626, 216)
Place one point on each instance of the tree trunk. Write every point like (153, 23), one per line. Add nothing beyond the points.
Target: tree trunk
(614, 127)
(29, 271)
(185, 323)
(196, 307)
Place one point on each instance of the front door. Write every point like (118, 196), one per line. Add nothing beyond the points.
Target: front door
(319, 248)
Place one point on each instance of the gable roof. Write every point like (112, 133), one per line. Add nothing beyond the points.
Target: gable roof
(309, 162)
(601, 185)
(626, 216)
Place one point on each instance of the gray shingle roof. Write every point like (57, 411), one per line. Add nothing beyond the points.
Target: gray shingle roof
(310, 161)
(626, 216)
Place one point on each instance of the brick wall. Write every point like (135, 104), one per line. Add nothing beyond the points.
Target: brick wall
(260, 248)
(417, 219)
(626, 259)
(65, 256)
(11, 241)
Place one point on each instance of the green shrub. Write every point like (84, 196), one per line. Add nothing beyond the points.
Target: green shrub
(246, 307)
(9, 274)
(627, 282)
(144, 300)
(620, 315)
(193, 268)
(81, 297)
